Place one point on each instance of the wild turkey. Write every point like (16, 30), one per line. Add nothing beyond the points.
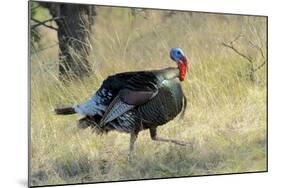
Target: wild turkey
(134, 101)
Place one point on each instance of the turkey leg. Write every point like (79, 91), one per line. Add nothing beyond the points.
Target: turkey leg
(154, 136)
(133, 139)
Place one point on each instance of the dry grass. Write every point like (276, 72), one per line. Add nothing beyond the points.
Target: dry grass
(225, 120)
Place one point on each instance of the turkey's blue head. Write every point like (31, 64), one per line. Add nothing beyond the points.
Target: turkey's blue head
(178, 56)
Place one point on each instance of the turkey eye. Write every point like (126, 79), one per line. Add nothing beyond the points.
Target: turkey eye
(178, 53)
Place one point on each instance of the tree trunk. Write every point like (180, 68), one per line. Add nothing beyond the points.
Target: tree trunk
(75, 24)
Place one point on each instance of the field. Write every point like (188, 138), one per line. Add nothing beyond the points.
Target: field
(225, 121)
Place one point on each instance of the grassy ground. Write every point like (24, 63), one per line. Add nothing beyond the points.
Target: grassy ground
(225, 120)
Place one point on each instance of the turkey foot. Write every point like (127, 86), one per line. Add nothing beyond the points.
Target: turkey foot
(153, 135)
(179, 142)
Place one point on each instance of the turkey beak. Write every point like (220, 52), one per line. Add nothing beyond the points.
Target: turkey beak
(183, 62)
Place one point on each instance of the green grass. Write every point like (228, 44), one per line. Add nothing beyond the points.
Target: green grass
(225, 120)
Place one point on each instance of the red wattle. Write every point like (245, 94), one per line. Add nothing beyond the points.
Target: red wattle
(182, 72)
(183, 66)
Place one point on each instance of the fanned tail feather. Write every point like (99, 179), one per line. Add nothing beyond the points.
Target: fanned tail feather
(65, 111)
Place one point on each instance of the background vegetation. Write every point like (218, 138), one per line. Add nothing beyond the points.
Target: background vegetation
(225, 120)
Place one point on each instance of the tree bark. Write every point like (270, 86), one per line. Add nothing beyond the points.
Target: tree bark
(75, 24)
